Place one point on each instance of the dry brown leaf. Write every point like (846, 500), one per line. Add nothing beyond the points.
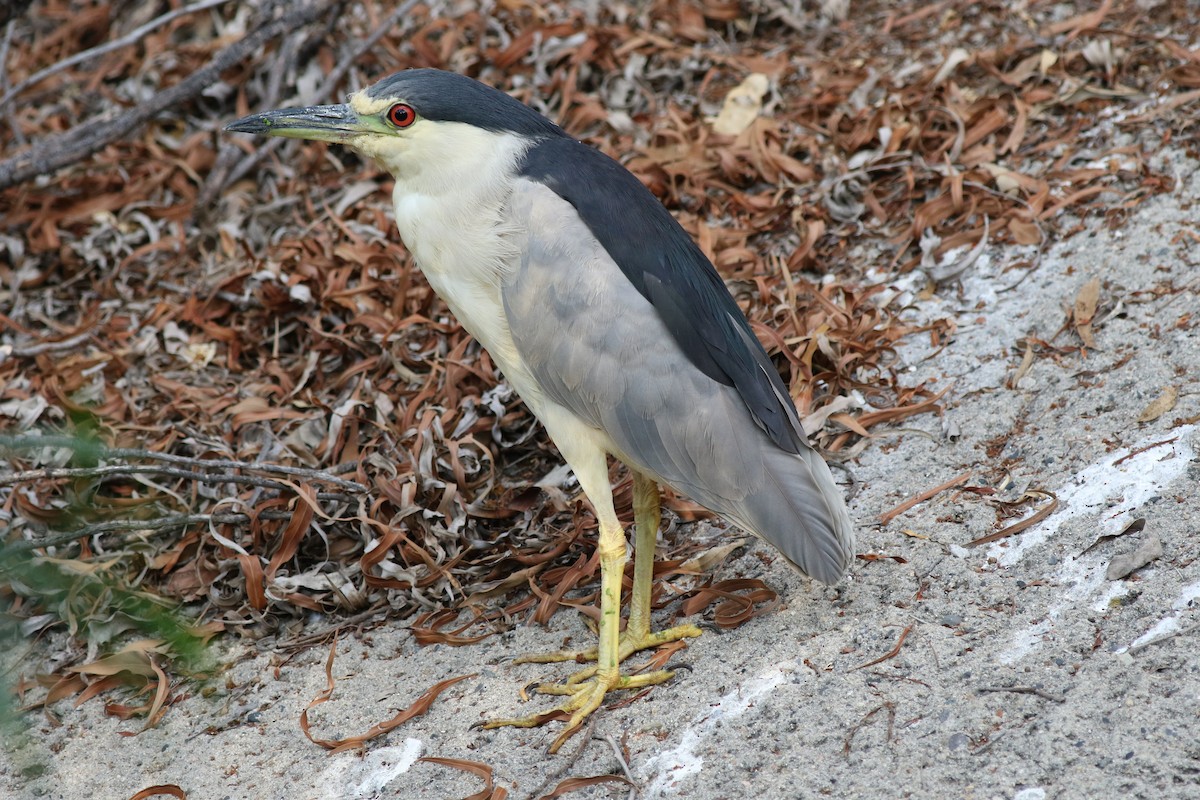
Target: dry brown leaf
(158, 706)
(99, 687)
(1025, 231)
(883, 557)
(504, 585)
(63, 687)
(659, 660)
(418, 708)
(742, 105)
(737, 600)
(1125, 564)
(489, 791)
(890, 654)
(1136, 526)
(1024, 367)
(134, 658)
(705, 561)
(255, 581)
(1160, 405)
(952, 61)
(427, 629)
(888, 516)
(162, 789)
(575, 784)
(1030, 495)
(849, 422)
(1084, 310)
(297, 527)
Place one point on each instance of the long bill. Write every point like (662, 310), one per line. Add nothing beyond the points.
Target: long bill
(338, 123)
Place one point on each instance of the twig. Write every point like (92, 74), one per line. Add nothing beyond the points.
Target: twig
(51, 473)
(1024, 524)
(108, 47)
(894, 677)
(1042, 693)
(891, 709)
(102, 452)
(55, 152)
(226, 174)
(226, 169)
(156, 524)
(890, 654)
(616, 748)
(888, 516)
(322, 636)
(10, 26)
(570, 762)
(1140, 450)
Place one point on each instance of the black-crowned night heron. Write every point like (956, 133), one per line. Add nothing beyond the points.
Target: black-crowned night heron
(609, 322)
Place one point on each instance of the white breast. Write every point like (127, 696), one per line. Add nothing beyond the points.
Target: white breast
(451, 211)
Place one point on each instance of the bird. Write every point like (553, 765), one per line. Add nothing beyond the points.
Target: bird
(611, 324)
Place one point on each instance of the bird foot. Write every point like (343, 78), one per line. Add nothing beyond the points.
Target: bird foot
(630, 643)
(586, 691)
(587, 688)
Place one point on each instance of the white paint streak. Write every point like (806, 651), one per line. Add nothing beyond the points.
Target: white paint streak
(1113, 493)
(668, 769)
(1168, 624)
(354, 776)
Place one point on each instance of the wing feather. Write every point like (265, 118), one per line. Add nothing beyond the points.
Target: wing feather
(669, 270)
(599, 348)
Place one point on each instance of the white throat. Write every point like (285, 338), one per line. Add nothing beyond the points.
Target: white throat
(451, 197)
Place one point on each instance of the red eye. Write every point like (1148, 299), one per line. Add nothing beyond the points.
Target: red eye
(401, 115)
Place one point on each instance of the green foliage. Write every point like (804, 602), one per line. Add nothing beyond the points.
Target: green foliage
(95, 606)
(93, 597)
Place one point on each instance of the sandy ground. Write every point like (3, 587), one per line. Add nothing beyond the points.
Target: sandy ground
(1024, 673)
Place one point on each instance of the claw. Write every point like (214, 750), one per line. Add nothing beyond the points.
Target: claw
(586, 693)
(630, 643)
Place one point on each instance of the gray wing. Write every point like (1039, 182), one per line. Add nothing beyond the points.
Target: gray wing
(598, 347)
(667, 268)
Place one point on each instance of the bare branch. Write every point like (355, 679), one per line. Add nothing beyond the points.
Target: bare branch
(130, 453)
(108, 47)
(225, 172)
(50, 473)
(1034, 690)
(156, 524)
(55, 152)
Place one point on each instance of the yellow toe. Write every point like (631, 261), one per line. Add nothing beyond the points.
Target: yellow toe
(585, 694)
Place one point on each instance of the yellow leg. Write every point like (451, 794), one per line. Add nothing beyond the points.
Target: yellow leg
(612, 567)
(637, 635)
(586, 689)
(647, 518)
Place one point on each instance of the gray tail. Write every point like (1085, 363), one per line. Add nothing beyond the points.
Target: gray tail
(800, 510)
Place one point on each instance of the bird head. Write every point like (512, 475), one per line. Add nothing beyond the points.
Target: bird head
(412, 120)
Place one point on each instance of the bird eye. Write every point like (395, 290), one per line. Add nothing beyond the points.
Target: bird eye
(401, 115)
